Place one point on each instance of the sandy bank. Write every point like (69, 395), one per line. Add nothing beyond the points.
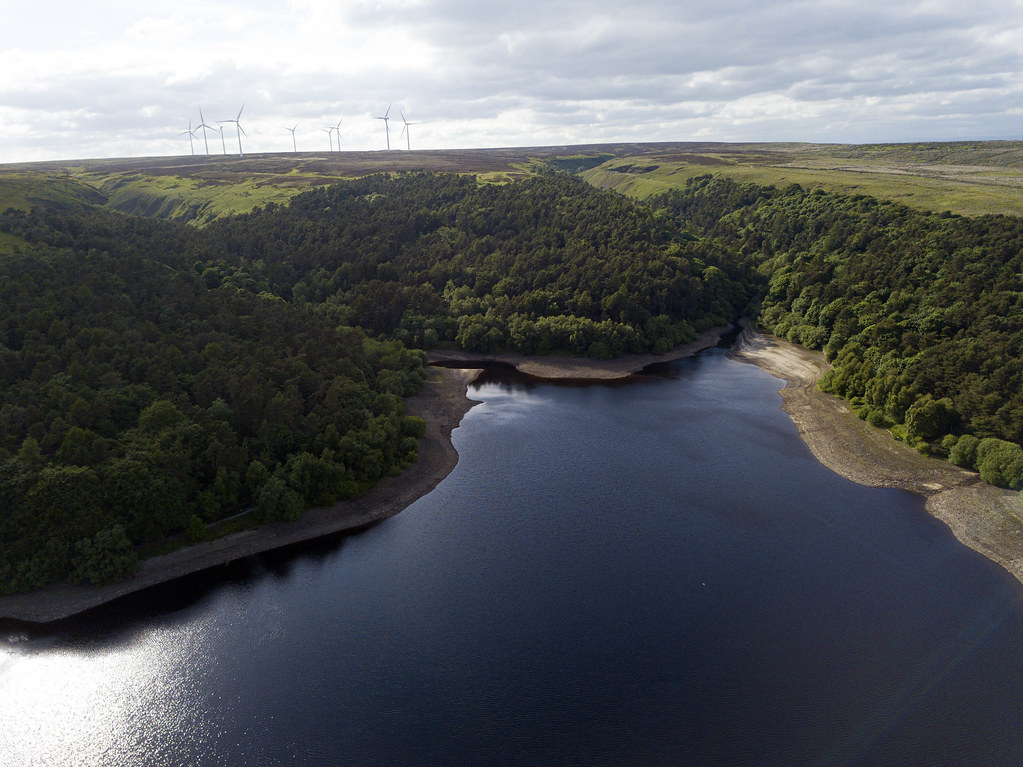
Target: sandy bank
(985, 518)
(442, 402)
(580, 368)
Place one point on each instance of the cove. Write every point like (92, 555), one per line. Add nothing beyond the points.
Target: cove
(653, 572)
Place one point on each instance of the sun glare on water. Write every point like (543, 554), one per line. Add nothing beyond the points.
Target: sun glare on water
(81, 707)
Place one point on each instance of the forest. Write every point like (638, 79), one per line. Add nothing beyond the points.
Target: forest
(537, 266)
(158, 377)
(920, 314)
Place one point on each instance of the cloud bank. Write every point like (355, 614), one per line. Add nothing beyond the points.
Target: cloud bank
(112, 78)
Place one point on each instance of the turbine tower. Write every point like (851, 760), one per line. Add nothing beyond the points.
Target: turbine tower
(191, 134)
(387, 129)
(240, 129)
(330, 136)
(406, 132)
(223, 144)
(204, 126)
(337, 129)
(294, 145)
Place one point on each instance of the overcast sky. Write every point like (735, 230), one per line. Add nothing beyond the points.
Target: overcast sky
(110, 78)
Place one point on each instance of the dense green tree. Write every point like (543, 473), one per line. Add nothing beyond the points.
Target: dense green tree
(107, 557)
(921, 315)
(278, 502)
(152, 373)
(964, 451)
(137, 394)
(1000, 462)
(928, 418)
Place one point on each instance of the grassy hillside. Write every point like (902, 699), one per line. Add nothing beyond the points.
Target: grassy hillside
(200, 189)
(24, 187)
(969, 178)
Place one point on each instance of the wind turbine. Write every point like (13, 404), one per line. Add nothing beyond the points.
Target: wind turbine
(330, 136)
(292, 130)
(387, 129)
(240, 131)
(406, 131)
(337, 129)
(223, 144)
(191, 134)
(204, 126)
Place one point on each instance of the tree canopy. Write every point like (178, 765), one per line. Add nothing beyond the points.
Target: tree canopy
(155, 377)
(920, 314)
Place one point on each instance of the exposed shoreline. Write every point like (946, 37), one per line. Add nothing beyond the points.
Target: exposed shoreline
(988, 519)
(442, 402)
(555, 367)
(985, 518)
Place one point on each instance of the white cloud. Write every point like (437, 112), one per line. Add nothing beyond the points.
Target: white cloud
(85, 79)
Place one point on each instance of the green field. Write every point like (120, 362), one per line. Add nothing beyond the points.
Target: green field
(969, 178)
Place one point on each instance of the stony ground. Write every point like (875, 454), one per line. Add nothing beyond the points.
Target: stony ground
(985, 518)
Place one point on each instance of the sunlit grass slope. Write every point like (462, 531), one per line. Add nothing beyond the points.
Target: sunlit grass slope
(970, 178)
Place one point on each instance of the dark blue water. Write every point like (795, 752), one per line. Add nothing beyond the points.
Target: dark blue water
(650, 573)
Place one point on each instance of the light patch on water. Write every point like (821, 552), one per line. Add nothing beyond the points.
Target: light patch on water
(78, 707)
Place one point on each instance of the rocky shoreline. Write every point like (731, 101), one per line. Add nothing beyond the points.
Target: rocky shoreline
(442, 402)
(555, 367)
(988, 519)
(985, 518)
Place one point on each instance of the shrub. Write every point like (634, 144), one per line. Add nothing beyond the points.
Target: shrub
(878, 418)
(1000, 462)
(964, 452)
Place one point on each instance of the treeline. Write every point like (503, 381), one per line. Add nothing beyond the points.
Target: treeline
(543, 265)
(157, 377)
(920, 314)
(136, 401)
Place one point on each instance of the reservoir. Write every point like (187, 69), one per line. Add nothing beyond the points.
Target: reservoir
(650, 572)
